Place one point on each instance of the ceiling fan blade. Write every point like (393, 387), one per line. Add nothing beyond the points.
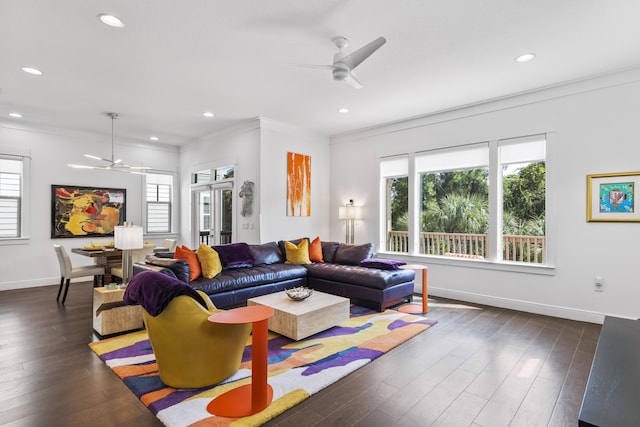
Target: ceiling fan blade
(313, 66)
(82, 166)
(352, 81)
(354, 59)
(90, 156)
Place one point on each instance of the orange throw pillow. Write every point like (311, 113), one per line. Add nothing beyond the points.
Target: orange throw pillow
(315, 250)
(183, 252)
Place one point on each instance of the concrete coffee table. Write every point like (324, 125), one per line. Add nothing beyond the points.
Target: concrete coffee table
(300, 319)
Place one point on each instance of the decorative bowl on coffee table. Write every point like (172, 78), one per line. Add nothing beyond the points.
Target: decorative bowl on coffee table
(300, 293)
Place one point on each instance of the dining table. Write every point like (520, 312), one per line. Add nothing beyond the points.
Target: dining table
(107, 258)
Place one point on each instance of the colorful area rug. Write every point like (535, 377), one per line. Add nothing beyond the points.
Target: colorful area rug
(297, 369)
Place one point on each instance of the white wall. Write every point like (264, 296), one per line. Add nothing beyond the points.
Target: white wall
(32, 261)
(593, 127)
(276, 140)
(258, 149)
(238, 146)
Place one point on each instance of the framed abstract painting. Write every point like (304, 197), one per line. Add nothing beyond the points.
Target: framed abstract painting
(86, 211)
(298, 184)
(612, 197)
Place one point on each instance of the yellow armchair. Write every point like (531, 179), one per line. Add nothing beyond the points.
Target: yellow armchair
(191, 351)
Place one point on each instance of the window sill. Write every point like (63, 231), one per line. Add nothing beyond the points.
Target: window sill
(515, 267)
(10, 241)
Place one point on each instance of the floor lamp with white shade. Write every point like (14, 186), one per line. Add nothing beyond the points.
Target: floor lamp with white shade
(350, 213)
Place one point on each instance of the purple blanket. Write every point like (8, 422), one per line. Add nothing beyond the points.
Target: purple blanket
(381, 263)
(154, 291)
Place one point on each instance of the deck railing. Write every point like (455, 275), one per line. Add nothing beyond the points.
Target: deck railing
(514, 248)
(207, 239)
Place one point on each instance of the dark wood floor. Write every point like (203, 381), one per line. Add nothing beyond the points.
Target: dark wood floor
(479, 366)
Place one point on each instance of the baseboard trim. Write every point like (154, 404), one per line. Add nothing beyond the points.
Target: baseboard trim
(35, 283)
(520, 305)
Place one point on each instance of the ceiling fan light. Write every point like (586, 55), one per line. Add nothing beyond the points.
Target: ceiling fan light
(340, 74)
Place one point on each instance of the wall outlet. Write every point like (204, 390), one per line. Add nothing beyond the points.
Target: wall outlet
(598, 284)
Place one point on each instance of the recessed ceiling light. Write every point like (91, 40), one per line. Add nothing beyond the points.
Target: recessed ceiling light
(526, 57)
(31, 70)
(154, 138)
(343, 110)
(208, 114)
(16, 115)
(110, 20)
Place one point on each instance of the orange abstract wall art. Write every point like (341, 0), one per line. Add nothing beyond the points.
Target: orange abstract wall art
(298, 185)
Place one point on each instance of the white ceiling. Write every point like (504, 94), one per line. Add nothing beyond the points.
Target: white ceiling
(174, 60)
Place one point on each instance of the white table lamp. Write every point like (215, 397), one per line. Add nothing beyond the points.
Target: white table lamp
(126, 238)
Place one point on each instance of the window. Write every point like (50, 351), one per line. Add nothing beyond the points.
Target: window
(482, 201)
(523, 174)
(10, 198)
(454, 201)
(213, 175)
(395, 185)
(159, 196)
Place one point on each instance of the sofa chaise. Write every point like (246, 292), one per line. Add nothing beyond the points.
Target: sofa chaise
(345, 271)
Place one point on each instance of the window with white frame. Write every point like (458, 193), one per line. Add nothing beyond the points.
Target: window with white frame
(11, 185)
(159, 207)
(481, 201)
(395, 186)
(454, 200)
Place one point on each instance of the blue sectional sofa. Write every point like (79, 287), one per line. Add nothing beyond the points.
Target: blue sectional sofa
(342, 273)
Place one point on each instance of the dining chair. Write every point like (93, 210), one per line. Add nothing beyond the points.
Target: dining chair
(170, 244)
(68, 272)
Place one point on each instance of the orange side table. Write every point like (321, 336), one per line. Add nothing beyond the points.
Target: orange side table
(415, 308)
(251, 398)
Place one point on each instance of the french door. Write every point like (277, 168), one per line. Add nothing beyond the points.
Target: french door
(213, 214)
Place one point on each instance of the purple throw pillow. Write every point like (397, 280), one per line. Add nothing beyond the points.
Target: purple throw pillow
(235, 255)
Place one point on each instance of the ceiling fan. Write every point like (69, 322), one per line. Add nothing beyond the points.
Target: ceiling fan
(114, 164)
(343, 64)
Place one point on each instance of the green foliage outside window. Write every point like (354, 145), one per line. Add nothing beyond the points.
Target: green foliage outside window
(457, 201)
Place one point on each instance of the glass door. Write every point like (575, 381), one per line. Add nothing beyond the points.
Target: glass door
(225, 209)
(213, 214)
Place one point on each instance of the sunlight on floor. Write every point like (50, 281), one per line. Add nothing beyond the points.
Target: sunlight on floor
(451, 305)
(529, 368)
